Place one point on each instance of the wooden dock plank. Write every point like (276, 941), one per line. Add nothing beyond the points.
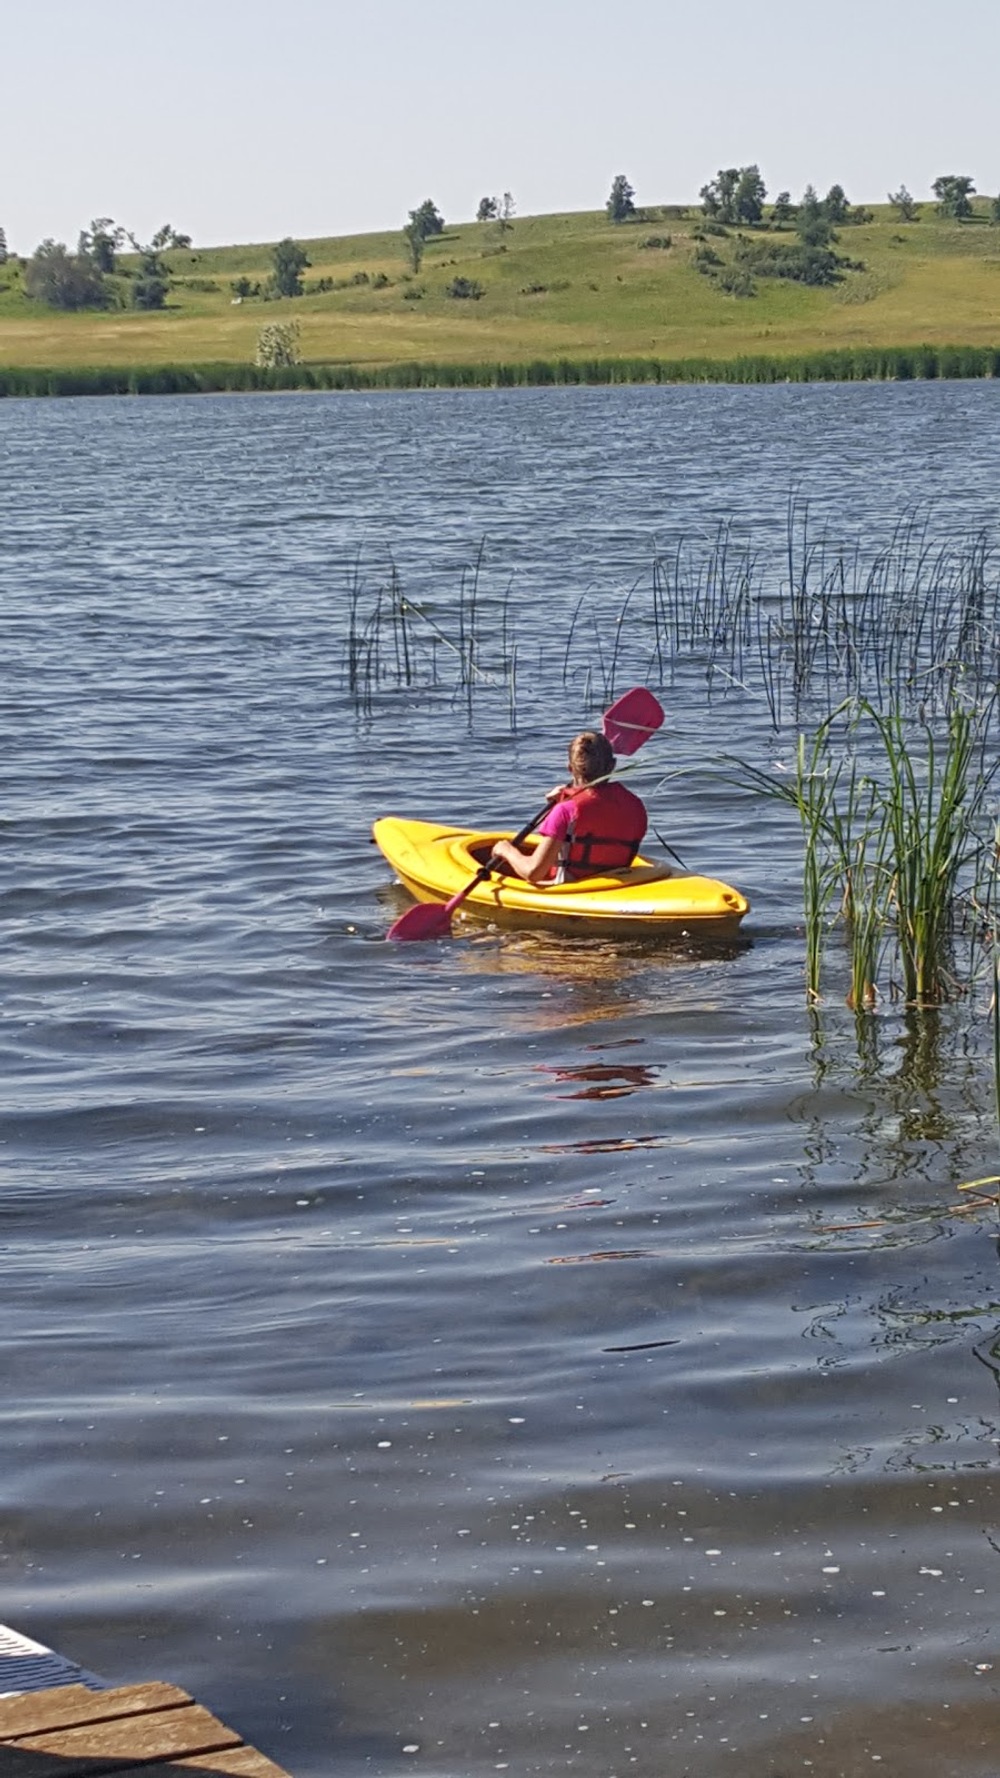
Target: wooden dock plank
(236, 1762)
(153, 1735)
(73, 1732)
(233, 1762)
(69, 1706)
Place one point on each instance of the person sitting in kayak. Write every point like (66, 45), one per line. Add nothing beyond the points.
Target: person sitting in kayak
(591, 827)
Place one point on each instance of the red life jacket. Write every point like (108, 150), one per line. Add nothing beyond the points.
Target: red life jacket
(607, 830)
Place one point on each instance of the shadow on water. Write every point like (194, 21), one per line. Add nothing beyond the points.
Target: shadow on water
(603, 1080)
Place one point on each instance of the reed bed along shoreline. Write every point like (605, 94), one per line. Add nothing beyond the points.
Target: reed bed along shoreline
(912, 624)
(840, 365)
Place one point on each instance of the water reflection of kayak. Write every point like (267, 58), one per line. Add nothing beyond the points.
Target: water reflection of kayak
(436, 862)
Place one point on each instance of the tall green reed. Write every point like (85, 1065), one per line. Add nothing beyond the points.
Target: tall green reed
(857, 848)
(891, 816)
(812, 793)
(930, 813)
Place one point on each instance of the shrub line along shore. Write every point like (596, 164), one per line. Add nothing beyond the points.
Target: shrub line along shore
(570, 298)
(846, 365)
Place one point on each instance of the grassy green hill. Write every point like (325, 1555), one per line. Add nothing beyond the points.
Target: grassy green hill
(554, 287)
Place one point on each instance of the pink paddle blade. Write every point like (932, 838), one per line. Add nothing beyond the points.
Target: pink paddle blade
(631, 720)
(429, 919)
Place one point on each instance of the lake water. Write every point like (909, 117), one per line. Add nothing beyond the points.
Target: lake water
(465, 1358)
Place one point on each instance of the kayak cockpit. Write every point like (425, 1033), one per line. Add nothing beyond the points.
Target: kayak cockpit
(474, 853)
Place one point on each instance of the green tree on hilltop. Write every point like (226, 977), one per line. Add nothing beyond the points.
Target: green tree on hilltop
(428, 219)
(812, 223)
(290, 261)
(64, 280)
(487, 211)
(905, 204)
(782, 210)
(835, 205)
(152, 284)
(621, 199)
(424, 221)
(953, 192)
(3, 248)
(167, 236)
(748, 198)
(810, 208)
(101, 242)
(718, 197)
(735, 195)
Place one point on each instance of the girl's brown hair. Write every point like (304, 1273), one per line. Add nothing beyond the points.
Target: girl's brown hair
(590, 756)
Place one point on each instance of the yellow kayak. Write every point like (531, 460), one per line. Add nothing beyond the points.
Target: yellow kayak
(648, 898)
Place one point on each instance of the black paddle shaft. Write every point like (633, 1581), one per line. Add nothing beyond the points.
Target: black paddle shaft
(487, 869)
(529, 827)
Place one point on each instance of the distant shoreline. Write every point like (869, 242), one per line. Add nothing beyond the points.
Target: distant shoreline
(672, 296)
(845, 365)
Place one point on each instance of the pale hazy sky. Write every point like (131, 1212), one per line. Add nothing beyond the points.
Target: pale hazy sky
(243, 120)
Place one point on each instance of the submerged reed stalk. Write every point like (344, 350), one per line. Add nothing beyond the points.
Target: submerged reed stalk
(911, 627)
(910, 623)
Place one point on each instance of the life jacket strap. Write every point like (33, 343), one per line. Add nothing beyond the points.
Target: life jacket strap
(579, 853)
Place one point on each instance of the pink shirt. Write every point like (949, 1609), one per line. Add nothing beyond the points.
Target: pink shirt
(559, 819)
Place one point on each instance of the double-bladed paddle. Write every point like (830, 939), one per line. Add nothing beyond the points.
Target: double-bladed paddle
(628, 723)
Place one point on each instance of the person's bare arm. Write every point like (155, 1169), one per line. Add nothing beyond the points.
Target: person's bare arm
(534, 866)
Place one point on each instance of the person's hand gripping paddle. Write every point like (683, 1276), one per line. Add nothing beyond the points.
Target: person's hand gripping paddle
(629, 723)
